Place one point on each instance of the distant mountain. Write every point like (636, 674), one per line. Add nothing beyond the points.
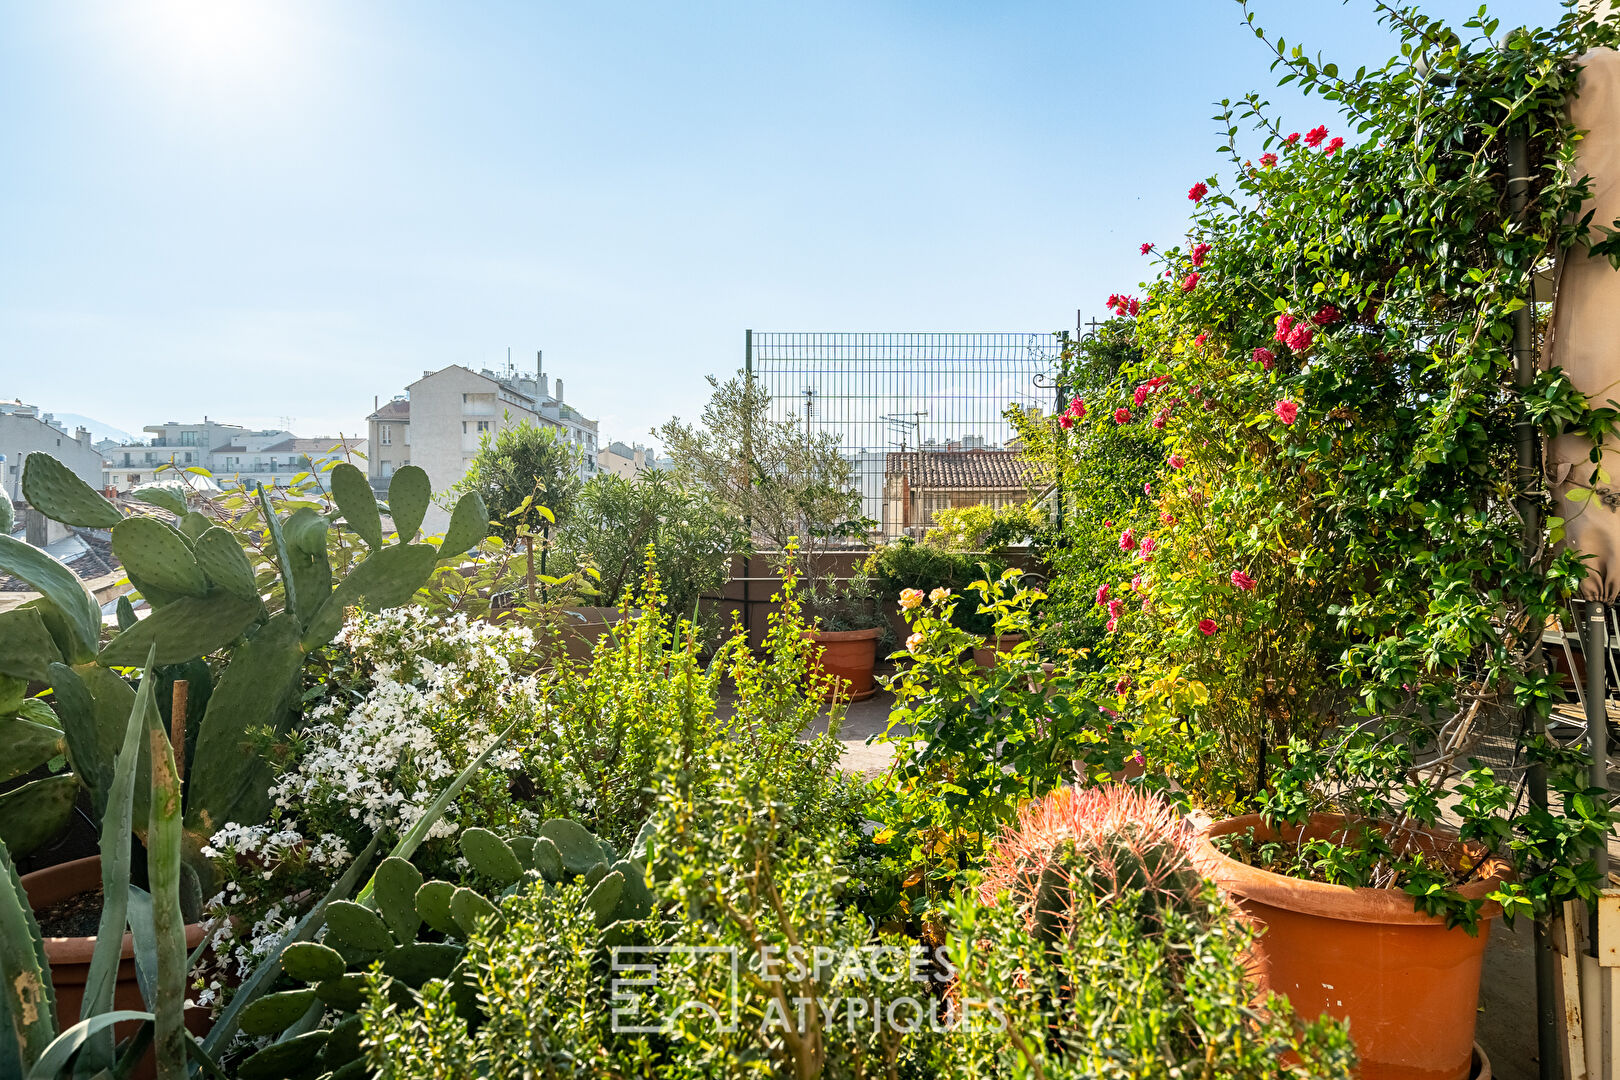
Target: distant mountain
(98, 430)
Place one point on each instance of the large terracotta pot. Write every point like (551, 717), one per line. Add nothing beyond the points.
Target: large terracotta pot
(69, 957)
(1408, 986)
(851, 655)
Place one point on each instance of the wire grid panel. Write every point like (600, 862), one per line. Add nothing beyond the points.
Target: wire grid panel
(924, 393)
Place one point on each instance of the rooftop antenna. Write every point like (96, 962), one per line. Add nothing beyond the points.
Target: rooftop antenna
(904, 424)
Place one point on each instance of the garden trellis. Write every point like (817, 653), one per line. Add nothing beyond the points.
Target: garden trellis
(883, 394)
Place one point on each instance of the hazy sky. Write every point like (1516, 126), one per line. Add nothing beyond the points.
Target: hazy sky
(277, 210)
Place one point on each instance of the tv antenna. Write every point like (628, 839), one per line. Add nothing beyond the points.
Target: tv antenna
(904, 424)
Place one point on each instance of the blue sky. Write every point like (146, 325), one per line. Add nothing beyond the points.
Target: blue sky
(268, 210)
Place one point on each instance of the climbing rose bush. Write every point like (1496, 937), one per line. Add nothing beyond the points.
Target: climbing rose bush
(1334, 540)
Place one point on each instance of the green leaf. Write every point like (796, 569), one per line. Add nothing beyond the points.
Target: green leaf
(80, 612)
(34, 814)
(409, 494)
(352, 492)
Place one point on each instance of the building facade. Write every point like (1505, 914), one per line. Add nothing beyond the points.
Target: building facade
(624, 460)
(233, 454)
(441, 420)
(25, 430)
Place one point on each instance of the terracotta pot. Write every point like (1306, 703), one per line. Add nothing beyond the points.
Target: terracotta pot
(1408, 986)
(69, 957)
(985, 655)
(851, 655)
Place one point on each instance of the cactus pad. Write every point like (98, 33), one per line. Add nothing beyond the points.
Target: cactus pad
(490, 856)
(170, 497)
(433, 904)
(357, 927)
(352, 492)
(35, 813)
(397, 882)
(344, 1046)
(70, 601)
(311, 962)
(470, 911)
(282, 1060)
(274, 1013)
(225, 563)
(575, 844)
(57, 492)
(603, 899)
(346, 993)
(26, 647)
(636, 901)
(186, 629)
(193, 525)
(416, 963)
(158, 561)
(8, 515)
(388, 578)
(409, 494)
(547, 859)
(469, 524)
(28, 746)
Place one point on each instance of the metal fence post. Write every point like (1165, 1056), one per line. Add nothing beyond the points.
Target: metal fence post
(748, 483)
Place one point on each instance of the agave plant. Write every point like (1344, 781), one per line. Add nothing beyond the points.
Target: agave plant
(206, 600)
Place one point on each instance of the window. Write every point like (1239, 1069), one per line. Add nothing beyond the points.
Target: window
(483, 425)
(188, 438)
(386, 435)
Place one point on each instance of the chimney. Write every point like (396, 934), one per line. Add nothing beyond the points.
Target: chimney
(376, 402)
(82, 435)
(559, 390)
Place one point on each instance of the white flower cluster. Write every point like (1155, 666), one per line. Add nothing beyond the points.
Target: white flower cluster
(435, 690)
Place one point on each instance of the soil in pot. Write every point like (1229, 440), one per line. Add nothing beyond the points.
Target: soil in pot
(1407, 985)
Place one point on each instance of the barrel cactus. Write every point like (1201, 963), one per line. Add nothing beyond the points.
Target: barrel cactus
(1114, 845)
(206, 600)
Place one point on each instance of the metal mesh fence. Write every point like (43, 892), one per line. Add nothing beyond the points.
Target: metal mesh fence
(918, 415)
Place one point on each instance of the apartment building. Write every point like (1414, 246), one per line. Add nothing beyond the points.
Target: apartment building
(440, 420)
(232, 453)
(25, 430)
(626, 460)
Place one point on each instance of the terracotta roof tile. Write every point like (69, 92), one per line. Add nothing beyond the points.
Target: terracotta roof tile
(963, 470)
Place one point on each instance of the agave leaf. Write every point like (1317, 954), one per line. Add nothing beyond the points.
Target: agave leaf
(116, 825)
(56, 1055)
(25, 976)
(169, 924)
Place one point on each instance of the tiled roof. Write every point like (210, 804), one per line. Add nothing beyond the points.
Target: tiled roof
(394, 410)
(963, 470)
(310, 446)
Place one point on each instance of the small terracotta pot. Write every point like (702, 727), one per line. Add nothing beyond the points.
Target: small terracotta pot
(851, 655)
(69, 957)
(985, 655)
(1408, 986)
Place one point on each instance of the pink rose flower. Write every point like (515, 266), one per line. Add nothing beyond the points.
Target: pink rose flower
(1122, 416)
(1264, 357)
(1286, 411)
(1177, 461)
(1127, 540)
(1190, 282)
(1242, 580)
(1102, 594)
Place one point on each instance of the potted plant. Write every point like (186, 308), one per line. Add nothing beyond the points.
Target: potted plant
(850, 622)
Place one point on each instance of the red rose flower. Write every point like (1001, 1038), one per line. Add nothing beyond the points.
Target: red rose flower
(1207, 627)
(1314, 137)
(1202, 339)
(1077, 408)
(1242, 580)
(1334, 146)
(1122, 416)
(1146, 248)
(1327, 315)
(1264, 357)
(1268, 160)
(1197, 192)
(1189, 283)
(1300, 338)
(1285, 322)
(1065, 421)
(1177, 461)
(1198, 253)
(1292, 139)
(1127, 540)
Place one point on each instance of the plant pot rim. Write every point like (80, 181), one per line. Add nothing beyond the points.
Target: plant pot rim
(70, 879)
(1364, 905)
(870, 634)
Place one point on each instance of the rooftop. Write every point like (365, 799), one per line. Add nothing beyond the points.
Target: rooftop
(963, 470)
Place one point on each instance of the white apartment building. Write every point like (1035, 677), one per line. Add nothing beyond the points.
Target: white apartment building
(439, 422)
(232, 453)
(25, 430)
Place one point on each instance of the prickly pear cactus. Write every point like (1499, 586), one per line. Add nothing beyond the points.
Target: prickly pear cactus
(57, 492)
(418, 933)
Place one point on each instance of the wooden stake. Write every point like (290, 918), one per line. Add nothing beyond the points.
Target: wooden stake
(177, 727)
